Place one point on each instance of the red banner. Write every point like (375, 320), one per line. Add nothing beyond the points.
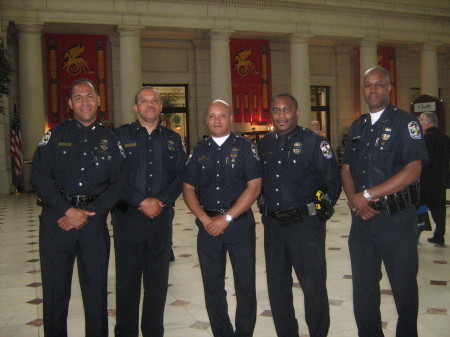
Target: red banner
(69, 58)
(387, 60)
(251, 80)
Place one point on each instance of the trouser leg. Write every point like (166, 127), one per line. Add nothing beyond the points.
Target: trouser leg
(212, 257)
(57, 255)
(93, 257)
(279, 279)
(241, 247)
(307, 251)
(366, 275)
(438, 212)
(156, 274)
(129, 253)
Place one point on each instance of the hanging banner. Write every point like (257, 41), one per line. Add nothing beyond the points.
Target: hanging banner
(387, 60)
(251, 80)
(69, 58)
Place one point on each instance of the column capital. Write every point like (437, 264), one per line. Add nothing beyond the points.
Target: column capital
(29, 27)
(218, 34)
(300, 37)
(369, 42)
(125, 30)
(430, 46)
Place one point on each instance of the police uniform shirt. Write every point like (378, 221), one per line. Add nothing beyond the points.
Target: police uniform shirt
(154, 163)
(295, 166)
(220, 173)
(377, 152)
(82, 161)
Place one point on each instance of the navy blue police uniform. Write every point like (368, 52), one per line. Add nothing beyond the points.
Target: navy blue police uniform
(154, 166)
(81, 167)
(374, 154)
(295, 166)
(220, 175)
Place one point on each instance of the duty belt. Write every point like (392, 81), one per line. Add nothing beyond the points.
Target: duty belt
(221, 211)
(289, 216)
(78, 200)
(399, 201)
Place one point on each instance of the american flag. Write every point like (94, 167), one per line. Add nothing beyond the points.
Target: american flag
(16, 144)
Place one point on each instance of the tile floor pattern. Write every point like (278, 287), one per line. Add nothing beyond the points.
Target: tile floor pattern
(21, 291)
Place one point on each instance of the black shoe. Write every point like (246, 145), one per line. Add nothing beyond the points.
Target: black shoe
(172, 256)
(440, 242)
(423, 226)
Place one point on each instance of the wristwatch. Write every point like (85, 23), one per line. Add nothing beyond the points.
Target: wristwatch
(228, 217)
(367, 195)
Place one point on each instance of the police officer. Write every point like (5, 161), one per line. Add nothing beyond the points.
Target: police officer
(435, 175)
(221, 182)
(77, 173)
(142, 221)
(383, 157)
(299, 168)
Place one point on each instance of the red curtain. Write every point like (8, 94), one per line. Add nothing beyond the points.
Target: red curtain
(71, 57)
(387, 60)
(251, 80)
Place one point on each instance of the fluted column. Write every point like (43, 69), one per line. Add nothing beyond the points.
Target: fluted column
(367, 60)
(220, 65)
(300, 84)
(31, 92)
(130, 71)
(429, 78)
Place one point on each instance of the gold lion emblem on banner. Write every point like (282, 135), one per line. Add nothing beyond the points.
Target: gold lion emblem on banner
(75, 64)
(243, 66)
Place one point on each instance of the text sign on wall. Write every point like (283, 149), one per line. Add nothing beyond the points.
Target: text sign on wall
(425, 107)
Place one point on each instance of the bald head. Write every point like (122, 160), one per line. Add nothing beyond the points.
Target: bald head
(219, 118)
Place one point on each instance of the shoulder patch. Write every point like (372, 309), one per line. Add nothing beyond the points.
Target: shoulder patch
(414, 130)
(326, 150)
(45, 139)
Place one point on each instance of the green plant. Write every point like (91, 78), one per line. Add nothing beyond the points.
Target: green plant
(5, 69)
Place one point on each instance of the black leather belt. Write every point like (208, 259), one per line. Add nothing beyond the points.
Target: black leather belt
(289, 216)
(399, 201)
(222, 211)
(78, 200)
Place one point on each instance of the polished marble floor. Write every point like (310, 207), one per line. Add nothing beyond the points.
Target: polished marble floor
(185, 315)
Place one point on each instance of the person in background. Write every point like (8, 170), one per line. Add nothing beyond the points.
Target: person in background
(77, 173)
(301, 184)
(315, 127)
(382, 163)
(434, 175)
(142, 221)
(222, 180)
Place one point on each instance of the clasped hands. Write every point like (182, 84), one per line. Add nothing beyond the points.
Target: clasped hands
(74, 218)
(215, 226)
(360, 206)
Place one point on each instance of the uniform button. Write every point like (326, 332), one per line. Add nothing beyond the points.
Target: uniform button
(203, 167)
(217, 188)
(279, 162)
(80, 184)
(294, 161)
(85, 140)
(371, 130)
(150, 163)
(276, 190)
(84, 153)
(150, 150)
(278, 204)
(364, 186)
(82, 169)
(151, 175)
(218, 201)
(363, 171)
(218, 161)
(217, 174)
(64, 152)
(277, 175)
(368, 144)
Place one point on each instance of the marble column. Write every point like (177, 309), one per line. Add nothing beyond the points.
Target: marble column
(31, 93)
(130, 71)
(367, 60)
(429, 78)
(300, 83)
(220, 65)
